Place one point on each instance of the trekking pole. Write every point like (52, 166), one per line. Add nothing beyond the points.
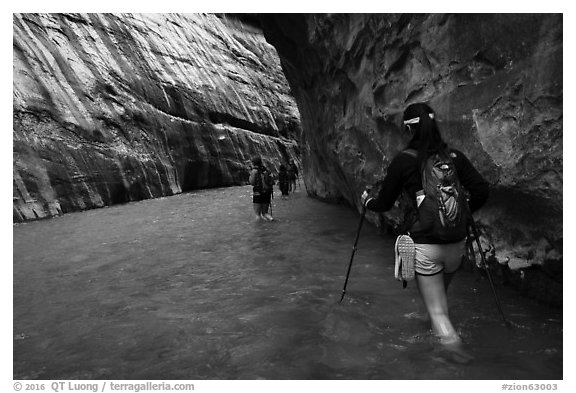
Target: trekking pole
(353, 252)
(476, 235)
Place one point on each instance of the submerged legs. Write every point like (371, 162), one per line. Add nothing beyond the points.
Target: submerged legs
(433, 291)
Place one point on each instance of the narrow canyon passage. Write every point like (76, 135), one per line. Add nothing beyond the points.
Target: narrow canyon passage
(190, 287)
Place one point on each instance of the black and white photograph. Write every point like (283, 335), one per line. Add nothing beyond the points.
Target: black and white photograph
(287, 196)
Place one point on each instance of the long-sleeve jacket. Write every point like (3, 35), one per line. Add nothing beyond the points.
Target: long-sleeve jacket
(292, 172)
(283, 178)
(403, 174)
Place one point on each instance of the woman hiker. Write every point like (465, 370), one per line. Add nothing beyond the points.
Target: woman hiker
(435, 260)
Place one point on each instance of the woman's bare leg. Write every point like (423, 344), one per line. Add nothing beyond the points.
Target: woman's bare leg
(447, 280)
(258, 210)
(433, 292)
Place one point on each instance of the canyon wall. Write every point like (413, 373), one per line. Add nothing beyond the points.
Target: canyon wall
(495, 82)
(112, 108)
(116, 108)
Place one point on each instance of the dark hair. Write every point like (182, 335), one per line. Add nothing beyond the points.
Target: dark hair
(426, 138)
(257, 161)
(282, 167)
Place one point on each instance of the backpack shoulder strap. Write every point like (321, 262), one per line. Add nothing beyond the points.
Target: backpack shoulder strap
(410, 152)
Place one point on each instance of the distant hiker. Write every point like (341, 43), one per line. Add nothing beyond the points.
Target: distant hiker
(263, 183)
(439, 223)
(292, 175)
(283, 182)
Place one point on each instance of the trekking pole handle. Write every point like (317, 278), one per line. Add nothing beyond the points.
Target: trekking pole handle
(367, 191)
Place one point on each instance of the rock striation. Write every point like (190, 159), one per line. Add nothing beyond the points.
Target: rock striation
(115, 108)
(495, 82)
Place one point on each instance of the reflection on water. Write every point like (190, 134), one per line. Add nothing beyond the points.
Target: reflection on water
(190, 287)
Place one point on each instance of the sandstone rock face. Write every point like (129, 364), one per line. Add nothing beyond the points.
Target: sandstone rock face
(495, 82)
(116, 108)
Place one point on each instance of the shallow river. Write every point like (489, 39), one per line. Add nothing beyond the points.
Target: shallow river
(191, 287)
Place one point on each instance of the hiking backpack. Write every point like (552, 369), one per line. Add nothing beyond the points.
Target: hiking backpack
(443, 210)
(263, 181)
(267, 181)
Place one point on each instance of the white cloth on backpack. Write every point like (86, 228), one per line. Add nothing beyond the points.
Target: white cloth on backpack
(404, 258)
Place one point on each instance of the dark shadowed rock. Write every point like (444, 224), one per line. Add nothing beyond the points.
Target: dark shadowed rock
(495, 82)
(116, 108)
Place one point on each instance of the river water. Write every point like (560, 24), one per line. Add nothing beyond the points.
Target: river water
(190, 287)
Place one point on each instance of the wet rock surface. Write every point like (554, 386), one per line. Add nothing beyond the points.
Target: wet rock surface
(116, 108)
(495, 82)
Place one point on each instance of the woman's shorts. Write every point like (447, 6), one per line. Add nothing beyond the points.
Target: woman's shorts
(262, 198)
(433, 258)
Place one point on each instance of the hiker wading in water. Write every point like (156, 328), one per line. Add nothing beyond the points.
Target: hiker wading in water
(263, 183)
(435, 257)
(283, 182)
(292, 175)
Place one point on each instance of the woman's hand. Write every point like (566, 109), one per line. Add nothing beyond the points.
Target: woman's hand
(365, 196)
